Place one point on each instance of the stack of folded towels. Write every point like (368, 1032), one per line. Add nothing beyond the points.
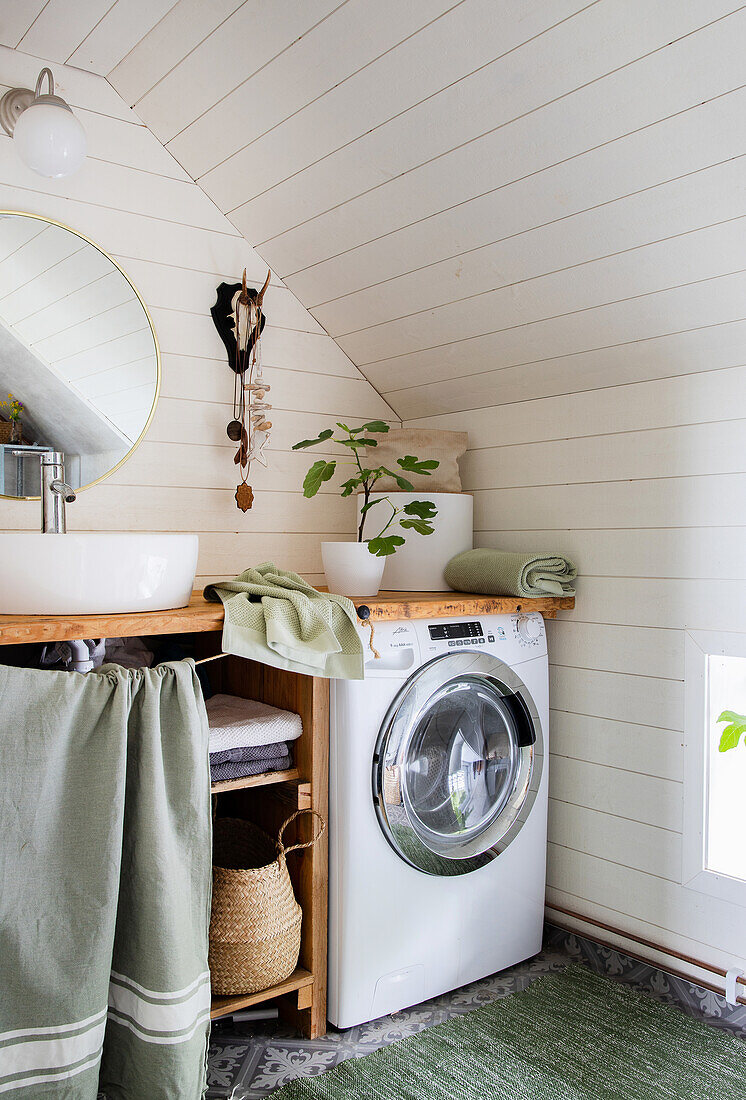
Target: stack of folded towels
(248, 738)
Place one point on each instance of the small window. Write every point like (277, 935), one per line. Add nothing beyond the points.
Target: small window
(715, 764)
(726, 688)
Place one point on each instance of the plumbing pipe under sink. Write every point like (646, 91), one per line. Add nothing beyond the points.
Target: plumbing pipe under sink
(84, 654)
(77, 655)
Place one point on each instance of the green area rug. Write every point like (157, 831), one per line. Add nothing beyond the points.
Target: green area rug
(569, 1036)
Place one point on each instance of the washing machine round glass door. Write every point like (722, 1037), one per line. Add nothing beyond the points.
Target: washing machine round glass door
(457, 764)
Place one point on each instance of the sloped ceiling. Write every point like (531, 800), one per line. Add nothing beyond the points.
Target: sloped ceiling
(481, 201)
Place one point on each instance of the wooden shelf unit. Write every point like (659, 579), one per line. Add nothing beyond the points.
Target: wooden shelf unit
(269, 804)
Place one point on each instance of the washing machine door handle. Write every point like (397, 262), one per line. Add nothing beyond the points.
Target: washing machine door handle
(525, 727)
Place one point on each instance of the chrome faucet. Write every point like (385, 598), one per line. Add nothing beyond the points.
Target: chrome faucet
(55, 492)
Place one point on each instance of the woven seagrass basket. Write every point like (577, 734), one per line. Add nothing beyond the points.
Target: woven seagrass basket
(255, 922)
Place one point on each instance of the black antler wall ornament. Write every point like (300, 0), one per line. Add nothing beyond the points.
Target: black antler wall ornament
(239, 319)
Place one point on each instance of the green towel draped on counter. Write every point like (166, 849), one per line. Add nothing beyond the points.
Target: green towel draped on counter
(105, 865)
(501, 573)
(277, 618)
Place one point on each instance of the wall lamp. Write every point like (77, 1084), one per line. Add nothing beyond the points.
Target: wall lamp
(48, 137)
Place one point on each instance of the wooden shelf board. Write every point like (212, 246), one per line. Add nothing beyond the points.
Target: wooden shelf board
(199, 616)
(262, 780)
(387, 606)
(223, 1006)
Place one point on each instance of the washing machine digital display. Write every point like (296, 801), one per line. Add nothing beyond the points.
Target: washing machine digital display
(444, 631)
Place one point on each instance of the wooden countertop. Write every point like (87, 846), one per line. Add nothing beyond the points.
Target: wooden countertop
(200, 616)
(443, 605)
(197, 616)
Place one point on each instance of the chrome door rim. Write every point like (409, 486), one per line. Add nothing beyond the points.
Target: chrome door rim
(408, 708)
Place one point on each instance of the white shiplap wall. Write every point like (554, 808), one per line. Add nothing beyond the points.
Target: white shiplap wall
(643, 484)
(524, 218)
(135, 201)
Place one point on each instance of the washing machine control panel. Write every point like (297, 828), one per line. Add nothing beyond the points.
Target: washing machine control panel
(455, 632)
(511, 637)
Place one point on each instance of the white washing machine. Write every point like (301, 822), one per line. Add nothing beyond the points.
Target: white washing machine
(438, 811)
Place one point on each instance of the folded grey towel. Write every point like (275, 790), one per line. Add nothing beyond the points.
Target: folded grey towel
(251, 752)
(501, 573)
(241, 768)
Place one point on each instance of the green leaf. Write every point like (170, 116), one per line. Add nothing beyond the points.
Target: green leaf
(355, 443)
(321, 438)
(420, 525)
(733, 732)
(731, 736)
(349, 486)
(402, 482)
(731, 716)
(371, 504)
(375, 426)
(343, 426)
(425, 509)
(320, 472)
(385, 545)
(416, 466)
(404, 485)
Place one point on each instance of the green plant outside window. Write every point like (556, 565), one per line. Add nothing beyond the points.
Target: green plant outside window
(734, 730)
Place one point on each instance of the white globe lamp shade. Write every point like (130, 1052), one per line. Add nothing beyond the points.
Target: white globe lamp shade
(49, 138)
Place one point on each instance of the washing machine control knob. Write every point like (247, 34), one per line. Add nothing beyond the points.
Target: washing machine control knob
(529, 628)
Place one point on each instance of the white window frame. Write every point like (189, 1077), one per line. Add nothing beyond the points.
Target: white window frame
(699, 645)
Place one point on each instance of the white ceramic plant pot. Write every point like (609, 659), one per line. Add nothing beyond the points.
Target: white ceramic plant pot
(351, 569)
(418, 565)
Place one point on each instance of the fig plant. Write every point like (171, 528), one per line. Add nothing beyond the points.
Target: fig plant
(417, 515)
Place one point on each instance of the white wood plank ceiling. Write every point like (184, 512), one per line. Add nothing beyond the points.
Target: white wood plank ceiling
(479, 200)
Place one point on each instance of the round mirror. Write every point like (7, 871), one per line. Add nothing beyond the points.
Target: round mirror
(79, 361)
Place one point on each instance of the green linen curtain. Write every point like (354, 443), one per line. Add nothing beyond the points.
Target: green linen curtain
(105, 877)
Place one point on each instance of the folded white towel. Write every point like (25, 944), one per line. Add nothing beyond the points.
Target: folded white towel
(237, 723)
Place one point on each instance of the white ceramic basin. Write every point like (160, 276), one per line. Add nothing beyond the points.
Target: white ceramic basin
(95, 574)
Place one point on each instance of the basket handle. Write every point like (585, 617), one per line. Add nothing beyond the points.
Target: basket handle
(309, 843)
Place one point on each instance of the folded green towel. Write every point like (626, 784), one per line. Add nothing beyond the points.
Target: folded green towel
(500, 573)
(278, 619)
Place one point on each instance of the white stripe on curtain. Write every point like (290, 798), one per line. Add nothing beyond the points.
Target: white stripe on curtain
(161, 1017)
(155, 995)
(161, 1039)
(59, 1029)
(41, 1079)
(32, 1055)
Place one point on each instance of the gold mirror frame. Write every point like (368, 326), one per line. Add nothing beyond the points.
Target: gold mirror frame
(138, 295)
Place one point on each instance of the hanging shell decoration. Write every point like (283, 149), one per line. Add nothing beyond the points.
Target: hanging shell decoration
(239, 319)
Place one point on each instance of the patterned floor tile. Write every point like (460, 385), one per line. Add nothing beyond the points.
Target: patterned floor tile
(281, 1063)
